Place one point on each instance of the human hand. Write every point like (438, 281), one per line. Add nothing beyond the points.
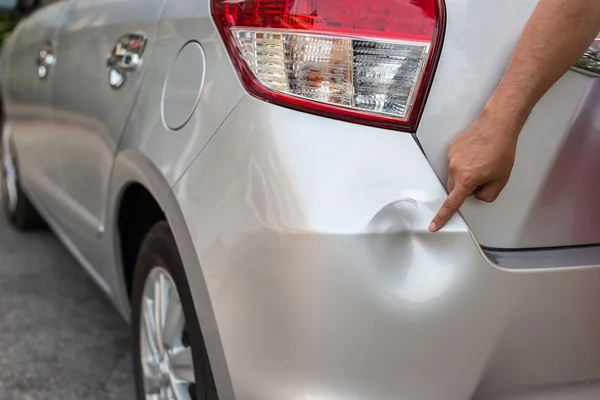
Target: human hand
(480, 161)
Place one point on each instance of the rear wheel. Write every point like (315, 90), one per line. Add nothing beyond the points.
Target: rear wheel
(19, 210)
(170, 360)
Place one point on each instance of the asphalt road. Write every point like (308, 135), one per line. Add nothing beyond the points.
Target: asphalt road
(60, 338)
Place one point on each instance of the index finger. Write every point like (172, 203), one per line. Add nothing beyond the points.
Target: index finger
(453, 202)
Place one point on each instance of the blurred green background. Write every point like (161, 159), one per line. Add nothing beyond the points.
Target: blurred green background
(8, 20)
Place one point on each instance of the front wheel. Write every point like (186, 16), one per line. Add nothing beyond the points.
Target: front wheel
(170, 360)
(19, 210)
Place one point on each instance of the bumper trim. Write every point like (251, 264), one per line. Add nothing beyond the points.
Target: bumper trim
(557, 257)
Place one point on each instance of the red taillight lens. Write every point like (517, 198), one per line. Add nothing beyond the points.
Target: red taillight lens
(367, 61)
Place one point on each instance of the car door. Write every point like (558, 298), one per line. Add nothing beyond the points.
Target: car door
(104, 48)
(28, 74)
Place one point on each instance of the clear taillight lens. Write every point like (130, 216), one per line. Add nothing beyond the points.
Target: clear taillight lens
(368, 61)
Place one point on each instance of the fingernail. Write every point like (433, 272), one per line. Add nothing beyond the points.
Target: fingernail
(433, 227)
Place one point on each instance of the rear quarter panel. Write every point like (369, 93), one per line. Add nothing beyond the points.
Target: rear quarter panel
(172, 150)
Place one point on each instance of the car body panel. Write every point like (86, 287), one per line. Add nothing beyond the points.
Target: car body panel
(27, 102)
(551, 197)
(130, 167)
(89, 115)
(202, 300)
(326, 283)
(181, 22)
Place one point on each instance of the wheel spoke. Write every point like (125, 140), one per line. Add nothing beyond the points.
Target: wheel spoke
(182, 365)
(159, 310)
(174, 320)
(150, 327)
(180, 391)
(167, 363)
(152, 385)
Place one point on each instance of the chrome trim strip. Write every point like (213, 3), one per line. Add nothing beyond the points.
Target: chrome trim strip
(560, 257)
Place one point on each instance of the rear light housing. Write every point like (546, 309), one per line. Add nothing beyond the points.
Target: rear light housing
(364, 61)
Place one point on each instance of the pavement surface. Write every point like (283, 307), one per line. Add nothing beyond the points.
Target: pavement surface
(60, 337)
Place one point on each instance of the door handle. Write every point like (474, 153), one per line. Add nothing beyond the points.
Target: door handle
(45, 59)
(125, 58)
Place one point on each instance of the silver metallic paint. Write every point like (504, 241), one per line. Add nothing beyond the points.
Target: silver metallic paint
(183, 86)
(90, 116)
(130, 167)
(27, 100)
(181, 22)
(322, 258)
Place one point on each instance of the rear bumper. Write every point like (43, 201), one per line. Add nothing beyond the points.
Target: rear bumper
(326, 284)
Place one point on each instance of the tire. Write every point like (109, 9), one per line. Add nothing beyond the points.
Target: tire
(17, 207)
(159, 261)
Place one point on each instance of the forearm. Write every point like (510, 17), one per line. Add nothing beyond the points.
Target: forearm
(556, 35)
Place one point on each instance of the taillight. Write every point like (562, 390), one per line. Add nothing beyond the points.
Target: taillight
(367, 61)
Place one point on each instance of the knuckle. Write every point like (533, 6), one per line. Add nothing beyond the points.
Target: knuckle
(468, 178)
(483, 197)
(488, 197)
(453, 166)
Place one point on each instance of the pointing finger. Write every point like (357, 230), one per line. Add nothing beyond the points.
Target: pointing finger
(453, 202)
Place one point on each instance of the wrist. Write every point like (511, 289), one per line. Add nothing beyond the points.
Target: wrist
(506, 114)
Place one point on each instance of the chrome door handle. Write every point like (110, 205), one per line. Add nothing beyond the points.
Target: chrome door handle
(125, 58)
(45, 60)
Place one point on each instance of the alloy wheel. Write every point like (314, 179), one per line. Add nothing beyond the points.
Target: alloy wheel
(167, 361)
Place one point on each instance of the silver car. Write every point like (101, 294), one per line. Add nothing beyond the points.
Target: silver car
(251, 183)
